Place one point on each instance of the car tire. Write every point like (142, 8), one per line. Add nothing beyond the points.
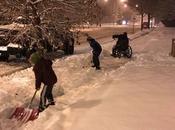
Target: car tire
(5, 56)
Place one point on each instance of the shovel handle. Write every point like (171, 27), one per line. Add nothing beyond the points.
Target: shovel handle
(32, 98)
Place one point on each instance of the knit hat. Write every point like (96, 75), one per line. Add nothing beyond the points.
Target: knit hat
(35, 57)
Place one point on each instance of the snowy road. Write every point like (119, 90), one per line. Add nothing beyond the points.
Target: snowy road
(136, 94)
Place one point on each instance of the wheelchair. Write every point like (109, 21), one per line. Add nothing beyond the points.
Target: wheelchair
(119, 52)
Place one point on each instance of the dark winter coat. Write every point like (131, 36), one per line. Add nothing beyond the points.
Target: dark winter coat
(123, 42)
(44, 73)
(95, 46)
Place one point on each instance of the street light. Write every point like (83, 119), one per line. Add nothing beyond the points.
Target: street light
(125, 5)
(123, 1)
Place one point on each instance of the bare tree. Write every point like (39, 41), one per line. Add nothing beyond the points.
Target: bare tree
(60, 15)
(145, 7)
(165, 9)
(157, 8)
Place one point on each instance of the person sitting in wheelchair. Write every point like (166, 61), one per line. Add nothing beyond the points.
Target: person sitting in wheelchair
(122, 44)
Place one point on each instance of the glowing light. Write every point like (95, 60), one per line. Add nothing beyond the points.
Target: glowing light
(124, 22)
(125, 5)
(123, 1)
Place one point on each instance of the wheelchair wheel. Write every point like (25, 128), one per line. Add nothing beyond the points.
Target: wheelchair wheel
(128, 52)
(116, 53)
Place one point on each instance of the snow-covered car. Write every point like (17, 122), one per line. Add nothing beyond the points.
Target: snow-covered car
(14, 32)
(7, 34)
(11, 49)
(3, 53)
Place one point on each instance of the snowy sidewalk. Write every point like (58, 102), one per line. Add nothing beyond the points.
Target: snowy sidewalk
(137, 96)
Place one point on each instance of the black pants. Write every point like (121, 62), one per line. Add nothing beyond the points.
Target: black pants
(96, 60)
(46, 95)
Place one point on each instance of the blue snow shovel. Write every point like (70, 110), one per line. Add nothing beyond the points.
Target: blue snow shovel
(25, 114)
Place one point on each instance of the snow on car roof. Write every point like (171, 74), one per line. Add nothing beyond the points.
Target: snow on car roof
(13, 45)
(3, 48)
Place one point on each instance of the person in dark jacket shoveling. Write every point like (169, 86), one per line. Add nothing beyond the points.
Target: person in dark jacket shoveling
(43, 74)
(96, 51)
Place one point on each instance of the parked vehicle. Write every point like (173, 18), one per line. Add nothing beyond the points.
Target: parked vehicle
(3, 53)
(11, 49)
(8, 36)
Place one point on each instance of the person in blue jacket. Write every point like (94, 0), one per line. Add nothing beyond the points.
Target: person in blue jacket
(96, 51)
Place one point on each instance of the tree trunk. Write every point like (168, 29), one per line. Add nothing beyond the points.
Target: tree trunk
(141, 15)
(173, 48)
(149, 20)
(141, 21)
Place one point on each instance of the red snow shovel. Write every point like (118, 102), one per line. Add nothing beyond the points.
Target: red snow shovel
(25, 114)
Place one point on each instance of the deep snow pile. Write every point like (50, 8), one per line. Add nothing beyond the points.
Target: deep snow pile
(75, 76)
(127, 94)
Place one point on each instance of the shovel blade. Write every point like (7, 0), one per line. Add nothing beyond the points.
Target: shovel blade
(24, 114)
